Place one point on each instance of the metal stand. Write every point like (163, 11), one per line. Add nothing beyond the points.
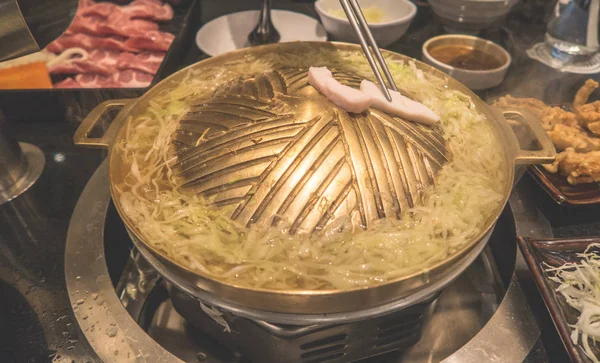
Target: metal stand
(21, 164)
(508, 336)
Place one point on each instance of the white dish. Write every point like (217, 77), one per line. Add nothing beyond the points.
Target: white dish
(470, 16)
(398, 14)
(230, 32)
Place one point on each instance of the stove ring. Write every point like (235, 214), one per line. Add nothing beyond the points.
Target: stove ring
(511, 333)
(108, 327)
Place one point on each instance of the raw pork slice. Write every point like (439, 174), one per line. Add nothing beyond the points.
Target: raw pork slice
(132, 79)
(152, 40)
(124, 79)
(91, 80)
(80, 66)
(99, 9)
(146, 9)
(105, 57)
(116, 24)
(89, 42)
(85, 4)
(148, 62)
(98, 61)
(347, 98)
(137, 9)
(400, 106)
(122, 24)
(88, 24)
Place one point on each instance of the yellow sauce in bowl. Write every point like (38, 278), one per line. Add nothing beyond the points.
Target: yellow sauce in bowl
(372, 14)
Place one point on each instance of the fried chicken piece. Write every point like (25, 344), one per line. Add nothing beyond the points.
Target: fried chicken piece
(588, 113)
(583, 94)
(579, 168)
(549, 116)
(594, 127)
(532, 104)
(579, 160)
(564, 137)
(553, 168)
(552, 116)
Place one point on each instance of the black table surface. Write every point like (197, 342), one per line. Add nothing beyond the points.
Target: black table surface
(36, 320)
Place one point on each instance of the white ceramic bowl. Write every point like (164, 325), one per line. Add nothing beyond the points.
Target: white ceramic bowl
(470, 16)
(398, 15)
(475, 80)
(230, 32)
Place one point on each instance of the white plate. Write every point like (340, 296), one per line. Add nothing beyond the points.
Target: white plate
(230, 32)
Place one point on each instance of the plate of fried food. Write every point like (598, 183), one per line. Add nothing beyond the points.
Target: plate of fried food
(574, 178)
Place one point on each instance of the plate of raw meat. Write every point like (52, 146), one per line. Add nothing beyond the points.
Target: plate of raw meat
(111, 46)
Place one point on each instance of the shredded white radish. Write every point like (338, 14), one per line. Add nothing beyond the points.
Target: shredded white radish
(579, 283)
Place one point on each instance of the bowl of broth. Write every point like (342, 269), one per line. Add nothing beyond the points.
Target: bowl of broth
(477, 63)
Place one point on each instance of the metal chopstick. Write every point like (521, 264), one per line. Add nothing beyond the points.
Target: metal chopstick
(361, 28)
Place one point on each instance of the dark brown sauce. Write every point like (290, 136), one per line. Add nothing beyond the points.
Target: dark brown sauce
(465, 57)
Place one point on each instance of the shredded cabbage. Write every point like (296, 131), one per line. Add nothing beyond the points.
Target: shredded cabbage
(467, 195)
(579, 283)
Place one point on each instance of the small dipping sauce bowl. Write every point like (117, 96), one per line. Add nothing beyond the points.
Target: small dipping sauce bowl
(475, 62)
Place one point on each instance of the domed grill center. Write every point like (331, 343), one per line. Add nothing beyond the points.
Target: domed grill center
(273, 151)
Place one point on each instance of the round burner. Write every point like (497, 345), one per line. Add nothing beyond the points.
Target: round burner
(127, 314)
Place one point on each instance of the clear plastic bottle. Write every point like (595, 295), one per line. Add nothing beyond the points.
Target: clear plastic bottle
(573, 30)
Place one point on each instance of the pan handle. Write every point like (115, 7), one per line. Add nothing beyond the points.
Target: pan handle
(547, 152)
(81, 136)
